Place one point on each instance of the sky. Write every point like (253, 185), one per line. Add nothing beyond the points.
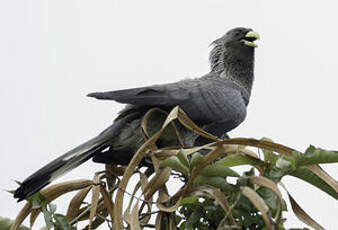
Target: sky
(53, 53)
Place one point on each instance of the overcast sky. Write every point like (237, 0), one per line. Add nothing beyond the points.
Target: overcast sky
(53, 53)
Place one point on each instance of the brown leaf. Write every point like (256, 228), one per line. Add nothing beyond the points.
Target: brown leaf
(107, 201)
(160, 178)
(316, 169)
(50, 193)
(95, 199)
(147, 215)
(258, 202)
(134, 221)
(219, 197)
(263, 181)
(75, 204)
(54, 191)
(301, 214)
(165, 221)
(138, 156)
(24, 212)
(284, 150)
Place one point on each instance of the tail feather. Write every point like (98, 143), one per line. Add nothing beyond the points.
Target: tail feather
(65, 163)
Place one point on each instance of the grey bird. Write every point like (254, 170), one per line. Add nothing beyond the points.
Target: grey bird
(216, 101)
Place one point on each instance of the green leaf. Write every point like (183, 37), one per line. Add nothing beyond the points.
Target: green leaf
(175, 163)
(178, 219)
(52, 208)
(6, 223)
(183, 158)
(195, 159)
(61, 222)
(315, 155)
(285, 163)
(274, 174)
(37, 200)
(193, 219)
(48, 218)
(238, 159)
(269, 197)
(218, 170)
(283, 166)
(216, 181)
(269, 156)
(308, 176)
(189, 200)
(250, 172)
(182, 226)
(242, 147)
(299, 229)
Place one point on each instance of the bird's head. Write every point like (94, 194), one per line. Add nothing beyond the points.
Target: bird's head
(238, 43)
(240, 38)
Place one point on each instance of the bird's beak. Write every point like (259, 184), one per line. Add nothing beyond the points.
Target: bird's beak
(250, 37)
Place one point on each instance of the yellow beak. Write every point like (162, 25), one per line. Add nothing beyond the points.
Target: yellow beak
(251, 34)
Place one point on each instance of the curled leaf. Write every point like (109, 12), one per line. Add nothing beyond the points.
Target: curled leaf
(75, 204)
(258, 202)
(195, 159)
(219, 170)
(183, 158)
(174, 163)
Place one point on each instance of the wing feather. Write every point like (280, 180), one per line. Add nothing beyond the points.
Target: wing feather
(204, 99)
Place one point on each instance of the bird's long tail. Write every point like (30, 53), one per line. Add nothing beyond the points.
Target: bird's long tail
(65, 163)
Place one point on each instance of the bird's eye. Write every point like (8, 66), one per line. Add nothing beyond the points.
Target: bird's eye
(238, 34)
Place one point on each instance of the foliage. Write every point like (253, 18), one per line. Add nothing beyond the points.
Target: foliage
(5, 224)
(207, 199)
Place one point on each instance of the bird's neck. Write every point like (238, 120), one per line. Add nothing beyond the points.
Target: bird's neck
(239, 70)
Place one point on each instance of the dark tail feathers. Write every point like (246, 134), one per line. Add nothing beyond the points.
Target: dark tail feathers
(65, 163)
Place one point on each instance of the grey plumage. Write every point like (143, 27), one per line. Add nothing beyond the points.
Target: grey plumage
(217, 101)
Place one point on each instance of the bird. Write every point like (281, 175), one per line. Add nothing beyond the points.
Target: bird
(216, 101)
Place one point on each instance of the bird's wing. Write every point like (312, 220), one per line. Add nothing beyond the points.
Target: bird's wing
(165, 95)
(204, 99)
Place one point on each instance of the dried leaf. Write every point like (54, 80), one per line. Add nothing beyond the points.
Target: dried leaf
(316, 169)
(54, 191)
(107, 201)
(284, 150)
(301, 214)
(75, 204)
(138, 156)
(258, 202)
(220, 198)
(165, 221)
(144, 182)
(50, 193)
(95, 199)
(24, 212)
(263, 181)
(134, 221)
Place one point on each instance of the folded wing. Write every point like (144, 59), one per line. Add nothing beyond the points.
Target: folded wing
(205, 100)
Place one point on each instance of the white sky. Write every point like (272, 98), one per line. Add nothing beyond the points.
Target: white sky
(53, 53)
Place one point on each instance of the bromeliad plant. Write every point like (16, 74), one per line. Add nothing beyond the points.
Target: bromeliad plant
(206, 200)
